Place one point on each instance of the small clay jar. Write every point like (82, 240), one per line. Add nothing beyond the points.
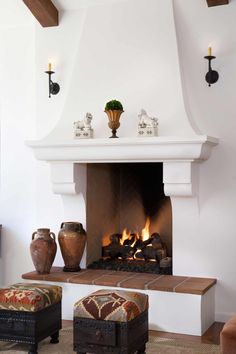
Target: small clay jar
(72, 240)
(43, 250)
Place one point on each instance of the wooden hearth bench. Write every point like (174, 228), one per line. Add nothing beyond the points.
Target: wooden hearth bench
(29, 313)
(179, 304)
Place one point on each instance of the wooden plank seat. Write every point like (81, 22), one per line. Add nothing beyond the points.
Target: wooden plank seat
(29, 313)
(111, 321)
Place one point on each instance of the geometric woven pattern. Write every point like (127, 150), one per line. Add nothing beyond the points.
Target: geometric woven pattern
(29, 297)
(111, 305)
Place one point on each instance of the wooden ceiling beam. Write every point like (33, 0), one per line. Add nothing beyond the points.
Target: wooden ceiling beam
(217, 2)
(44, 11)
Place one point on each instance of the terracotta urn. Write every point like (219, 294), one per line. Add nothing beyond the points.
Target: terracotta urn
(43, 250)
(72, 239)
(114, 121)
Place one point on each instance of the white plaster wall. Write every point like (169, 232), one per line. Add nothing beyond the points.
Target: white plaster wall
(17, 107)
(211, 241)
(82, 50)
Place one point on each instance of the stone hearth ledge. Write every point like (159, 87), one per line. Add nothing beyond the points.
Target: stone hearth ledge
(142, 281)
(177, 304)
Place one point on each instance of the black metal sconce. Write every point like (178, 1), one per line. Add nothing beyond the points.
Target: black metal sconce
(54, 87)
(212, 76)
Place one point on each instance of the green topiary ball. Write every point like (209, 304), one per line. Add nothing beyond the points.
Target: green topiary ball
(113, 105)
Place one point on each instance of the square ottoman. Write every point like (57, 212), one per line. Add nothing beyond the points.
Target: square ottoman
(111, 321)
(30, 313)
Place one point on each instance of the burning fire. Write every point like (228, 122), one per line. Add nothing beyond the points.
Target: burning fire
(125, 235)
(145, 231)
(130, 245)
(128, 236)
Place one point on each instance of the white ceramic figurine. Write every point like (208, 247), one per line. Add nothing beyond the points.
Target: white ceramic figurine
(147, 126)
(83, 128)
(146, 121)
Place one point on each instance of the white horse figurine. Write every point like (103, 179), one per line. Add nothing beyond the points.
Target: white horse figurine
(145, 121)
(84, 124)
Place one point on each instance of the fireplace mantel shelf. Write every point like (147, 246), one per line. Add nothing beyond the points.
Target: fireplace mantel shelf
(153, 149)
(176, 153)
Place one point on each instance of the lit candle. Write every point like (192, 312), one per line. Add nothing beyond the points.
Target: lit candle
(49, 66)
(209, 51)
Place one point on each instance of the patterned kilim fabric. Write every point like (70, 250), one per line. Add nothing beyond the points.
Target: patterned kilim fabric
(111, 305)
(29, 297)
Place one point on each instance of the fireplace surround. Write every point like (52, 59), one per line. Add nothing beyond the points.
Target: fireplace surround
(71, 161)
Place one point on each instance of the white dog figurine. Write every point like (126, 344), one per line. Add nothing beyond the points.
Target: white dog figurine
(145, 121)
(84, 124)
(82, 128)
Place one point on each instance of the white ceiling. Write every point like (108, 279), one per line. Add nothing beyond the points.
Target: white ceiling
(14, 13)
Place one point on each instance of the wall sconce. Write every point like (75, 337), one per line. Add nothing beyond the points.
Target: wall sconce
(211, 76)
(54, 88)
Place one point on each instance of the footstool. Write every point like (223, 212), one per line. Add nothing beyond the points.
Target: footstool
(111, 321)
(30, 313)
(228, 337)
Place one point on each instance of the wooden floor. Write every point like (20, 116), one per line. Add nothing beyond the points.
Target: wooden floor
(211, 336)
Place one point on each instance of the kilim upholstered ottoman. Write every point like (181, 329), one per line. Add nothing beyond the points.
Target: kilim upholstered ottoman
(111, 321)
(30, 313)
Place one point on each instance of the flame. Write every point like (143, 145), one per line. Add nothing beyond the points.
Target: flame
(125, 235)
(106, 239)
(134, 241)
(145, 231)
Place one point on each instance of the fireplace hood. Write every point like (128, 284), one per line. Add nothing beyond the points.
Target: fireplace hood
(145, 70)
(178, 155)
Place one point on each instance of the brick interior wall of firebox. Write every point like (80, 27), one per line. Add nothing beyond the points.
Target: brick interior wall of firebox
(123, 196)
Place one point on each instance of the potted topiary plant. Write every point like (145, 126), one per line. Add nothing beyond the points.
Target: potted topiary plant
(114, 109)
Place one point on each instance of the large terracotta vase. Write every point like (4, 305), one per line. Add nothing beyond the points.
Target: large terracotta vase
(43, 250)
(114, 121)
(72, 240)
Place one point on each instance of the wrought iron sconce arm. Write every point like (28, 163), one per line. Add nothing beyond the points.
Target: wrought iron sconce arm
(54, 87)
(212, 76)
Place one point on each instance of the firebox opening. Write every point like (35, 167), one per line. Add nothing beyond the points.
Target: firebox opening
(128, 199)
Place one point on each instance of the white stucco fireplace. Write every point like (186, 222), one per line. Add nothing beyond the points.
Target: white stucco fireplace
(144, 72)
(180, 158)
(68, 161)
(155, 82)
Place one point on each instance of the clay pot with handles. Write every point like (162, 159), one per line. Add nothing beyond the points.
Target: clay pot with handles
(43, 250)
(72, 240)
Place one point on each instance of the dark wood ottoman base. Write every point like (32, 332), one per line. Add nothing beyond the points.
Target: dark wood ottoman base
(110, 337)
(31, 327)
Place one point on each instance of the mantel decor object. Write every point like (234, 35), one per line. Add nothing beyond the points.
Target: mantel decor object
(72, 240)
(54, 87)
(82, 128)
(114, 109)
(43, 250)
(147, 126)
(212, 76)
